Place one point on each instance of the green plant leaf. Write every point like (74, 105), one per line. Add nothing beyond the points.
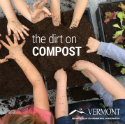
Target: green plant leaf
(121, 15)
(117, 34)
(116, 26)
(119, 45)
(123, 71)
(123, 26)
(118, 64)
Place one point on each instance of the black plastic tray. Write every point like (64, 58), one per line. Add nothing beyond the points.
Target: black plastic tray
(102, 34)
(88, 14)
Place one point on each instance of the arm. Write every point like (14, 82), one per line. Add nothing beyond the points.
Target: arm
(13, 23)
(21, 6)
(112, 51)
(39, 90)
(61, 105)
(38, 10)
(55, 9)
(109, 83)
(106, 49)
(97, 87)
(78, 12)
(8, 9)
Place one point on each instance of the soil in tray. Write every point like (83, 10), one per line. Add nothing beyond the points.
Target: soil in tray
(12, 79)
(49, 64)
(77, 94)
(109, 30)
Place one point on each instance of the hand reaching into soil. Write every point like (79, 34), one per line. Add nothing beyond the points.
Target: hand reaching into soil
(39, 11)
(81, 65)
(17, 28)
(93, 45)
(61, 104)
(60, 76)
(15, 50)
(87, 74)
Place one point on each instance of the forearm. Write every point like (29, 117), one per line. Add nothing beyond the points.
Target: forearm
(61, 105)
(112, 51)
(8, 9)
(78, 12)
(21, 6)
(29, 69)
(39, 90)
(55, 10)
(109, 83)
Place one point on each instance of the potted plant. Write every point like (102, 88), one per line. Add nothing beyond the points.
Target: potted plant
(111, 23)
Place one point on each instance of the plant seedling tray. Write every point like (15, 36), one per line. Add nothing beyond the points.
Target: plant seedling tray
(102, 34)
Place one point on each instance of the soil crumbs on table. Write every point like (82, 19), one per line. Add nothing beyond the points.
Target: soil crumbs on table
(12, 79)
(49, 64)
(109, 30)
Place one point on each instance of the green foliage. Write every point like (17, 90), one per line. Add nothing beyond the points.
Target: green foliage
(117, 34)
(123, 27)
(121, 65)
(118, 64)
(121, 15)
(122, 6)
(116, 26)
(121, 46)
(123, 71)
(103, 105)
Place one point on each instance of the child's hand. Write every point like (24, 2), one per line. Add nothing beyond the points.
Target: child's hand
(60, 76)
(81, 65)
(93, 45)
(17, 28)
(15, 50)
(39, 11)
(87, 74)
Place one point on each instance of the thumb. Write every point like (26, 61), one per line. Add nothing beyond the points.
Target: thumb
(9, 31)
(89, 51)
(74, 68)
(29, 10)
(23, 43)
(8, 57)
(3, 60)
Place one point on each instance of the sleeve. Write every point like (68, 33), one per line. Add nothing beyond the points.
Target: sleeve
(64, 120)
(107, 98)
(112, 51)
(119, 106)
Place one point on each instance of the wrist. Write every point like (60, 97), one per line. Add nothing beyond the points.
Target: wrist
(62, 82)
(18, 56)
(93, 80)
(30, 19)
(98, 45)
(90, 65)
(10, 19)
